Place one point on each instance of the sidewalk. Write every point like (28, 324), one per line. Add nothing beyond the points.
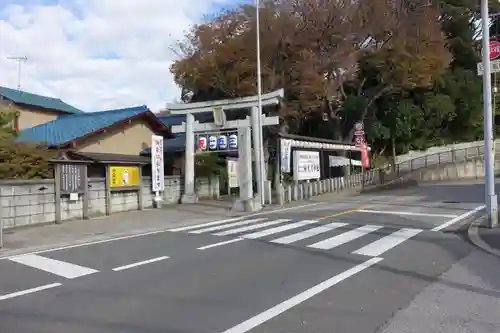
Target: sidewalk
(36, 238)
(464, 299)
(42, 237)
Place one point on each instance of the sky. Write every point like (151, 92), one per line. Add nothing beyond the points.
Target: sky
(98, 54)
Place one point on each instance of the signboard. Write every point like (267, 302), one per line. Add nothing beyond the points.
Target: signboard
(123, 176)
(306, 165)
(232, 173)
(494, 67)
(286, 154)
(72, 178)
(494, 49)
(158, 173)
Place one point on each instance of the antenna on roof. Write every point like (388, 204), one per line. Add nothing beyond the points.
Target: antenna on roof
(18, 60)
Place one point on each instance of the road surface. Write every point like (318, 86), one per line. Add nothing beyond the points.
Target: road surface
(328, 267)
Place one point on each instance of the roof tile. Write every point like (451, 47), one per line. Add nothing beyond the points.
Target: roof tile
(23, 97)
(71, 127)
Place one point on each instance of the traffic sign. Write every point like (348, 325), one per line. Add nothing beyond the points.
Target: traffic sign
(359, 140)
(494, 67)
(359, 126)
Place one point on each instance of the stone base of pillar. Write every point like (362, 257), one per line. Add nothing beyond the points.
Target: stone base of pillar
(189, 199)
(247, 206)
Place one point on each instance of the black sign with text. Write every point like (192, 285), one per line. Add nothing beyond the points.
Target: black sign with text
(72, 178)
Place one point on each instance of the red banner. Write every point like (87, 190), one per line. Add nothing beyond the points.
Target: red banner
(365, 159)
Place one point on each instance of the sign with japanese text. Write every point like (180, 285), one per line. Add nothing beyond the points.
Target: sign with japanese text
(157, 165)
(123, 176)
(306, 165)
(232, 173)
(72, 178)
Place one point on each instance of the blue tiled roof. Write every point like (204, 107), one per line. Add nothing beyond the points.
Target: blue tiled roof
(71, 127)
(22, 97)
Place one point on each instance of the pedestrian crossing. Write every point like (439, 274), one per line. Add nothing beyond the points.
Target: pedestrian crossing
(312, 234)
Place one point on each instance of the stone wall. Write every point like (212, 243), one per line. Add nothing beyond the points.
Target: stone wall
(29, 202)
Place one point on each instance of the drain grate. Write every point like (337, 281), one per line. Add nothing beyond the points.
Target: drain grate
(450, 202)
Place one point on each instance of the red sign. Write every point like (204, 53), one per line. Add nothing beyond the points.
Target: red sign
(494, 49)
(365, 159)
(359, 140)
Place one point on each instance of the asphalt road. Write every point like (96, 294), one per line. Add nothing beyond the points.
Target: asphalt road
(328, 267)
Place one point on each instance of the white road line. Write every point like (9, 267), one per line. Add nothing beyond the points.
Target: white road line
(458, 218)
(276, 230)
(208, 224)
(386, 243)
(251, 227)
(29, 291)
(403, 213)
(56, 267)
(300, 298)
(226, 226)
(219, 244)
(139, 263)
(308, 233)
(191, 227)
(345, 237)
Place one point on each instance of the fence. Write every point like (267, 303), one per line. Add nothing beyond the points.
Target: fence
(29, 202)
(445, 165)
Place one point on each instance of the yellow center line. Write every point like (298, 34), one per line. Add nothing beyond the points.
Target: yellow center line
(347, 212)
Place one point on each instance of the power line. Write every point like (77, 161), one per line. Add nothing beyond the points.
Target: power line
(18, 60)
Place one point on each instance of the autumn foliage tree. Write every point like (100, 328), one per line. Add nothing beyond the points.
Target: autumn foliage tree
(384, 62)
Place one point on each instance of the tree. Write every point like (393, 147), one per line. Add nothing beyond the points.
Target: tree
(396, 65)
(21, 160)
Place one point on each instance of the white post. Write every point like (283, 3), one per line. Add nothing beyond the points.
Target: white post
(189, 195)
(489, 180)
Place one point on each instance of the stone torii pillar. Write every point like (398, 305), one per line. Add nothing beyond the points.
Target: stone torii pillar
(191, 126)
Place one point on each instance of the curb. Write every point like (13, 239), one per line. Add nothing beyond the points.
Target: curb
(475, 238)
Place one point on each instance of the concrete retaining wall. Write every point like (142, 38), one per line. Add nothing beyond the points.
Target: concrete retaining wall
(25, 203)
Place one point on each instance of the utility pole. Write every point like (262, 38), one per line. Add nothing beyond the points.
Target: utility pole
(258, 143)
(489, 163)
(18, 60)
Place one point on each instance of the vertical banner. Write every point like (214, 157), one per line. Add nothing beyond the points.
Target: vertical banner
(232, 173)
(365, 159)
(157, 165)
(286, 153)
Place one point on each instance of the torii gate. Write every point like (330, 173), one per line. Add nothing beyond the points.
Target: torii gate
(217, 107)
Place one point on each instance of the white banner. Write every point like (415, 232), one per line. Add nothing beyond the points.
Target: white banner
(306, 165)
(286, 153)
(158, 172)
(232, 173)
(339, 161)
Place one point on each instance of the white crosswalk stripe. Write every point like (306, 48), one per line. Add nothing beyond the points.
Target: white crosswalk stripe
(276, 230)
(226, 226)
(328, 236)
(386, 243)
(345, 237)
(251, 227)
(308, 233)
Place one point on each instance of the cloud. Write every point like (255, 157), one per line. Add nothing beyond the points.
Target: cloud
(97, 54)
